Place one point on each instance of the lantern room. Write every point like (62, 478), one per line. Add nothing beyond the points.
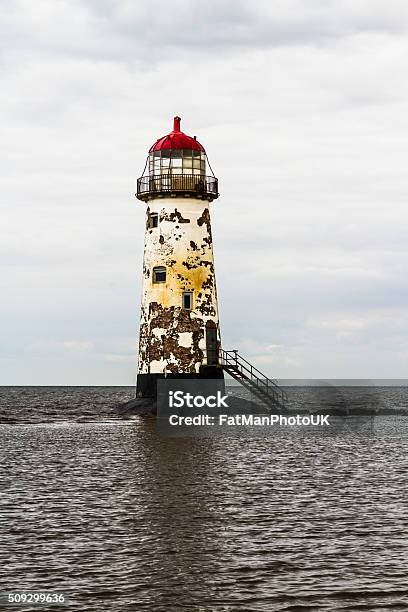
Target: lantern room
(177, 165)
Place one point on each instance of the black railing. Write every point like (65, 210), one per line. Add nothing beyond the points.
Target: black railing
(205, 187)
(252, 378)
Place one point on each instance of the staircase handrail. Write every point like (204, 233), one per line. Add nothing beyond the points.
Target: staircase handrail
(233, 356)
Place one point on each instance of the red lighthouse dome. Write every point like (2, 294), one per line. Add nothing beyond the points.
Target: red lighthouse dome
(176, 166)
(177, 140)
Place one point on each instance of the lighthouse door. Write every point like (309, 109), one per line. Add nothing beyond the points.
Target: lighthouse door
(211, 344)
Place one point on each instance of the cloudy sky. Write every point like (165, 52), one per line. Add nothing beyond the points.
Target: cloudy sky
(302, 107)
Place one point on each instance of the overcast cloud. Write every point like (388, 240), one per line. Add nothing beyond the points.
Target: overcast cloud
(302, 107)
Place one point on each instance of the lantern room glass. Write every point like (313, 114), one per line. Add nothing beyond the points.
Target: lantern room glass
(177, 161)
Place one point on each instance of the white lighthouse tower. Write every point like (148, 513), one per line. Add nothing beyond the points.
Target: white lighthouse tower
(179, 327)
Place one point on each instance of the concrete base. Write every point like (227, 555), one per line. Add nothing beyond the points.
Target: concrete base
(146, 386)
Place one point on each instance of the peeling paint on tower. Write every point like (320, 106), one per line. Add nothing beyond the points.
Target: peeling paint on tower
(179, 328)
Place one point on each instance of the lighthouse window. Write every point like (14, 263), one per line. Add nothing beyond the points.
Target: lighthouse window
(187, 300)
(177, 161)
(159, 274)
(154, 220)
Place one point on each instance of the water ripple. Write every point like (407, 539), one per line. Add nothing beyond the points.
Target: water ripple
(122, 520)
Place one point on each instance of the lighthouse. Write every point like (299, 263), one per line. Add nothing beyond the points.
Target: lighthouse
(179, 325)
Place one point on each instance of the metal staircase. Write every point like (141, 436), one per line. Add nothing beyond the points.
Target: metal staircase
(252, 379)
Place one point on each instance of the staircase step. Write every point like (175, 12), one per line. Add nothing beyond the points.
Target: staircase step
(253, 379)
